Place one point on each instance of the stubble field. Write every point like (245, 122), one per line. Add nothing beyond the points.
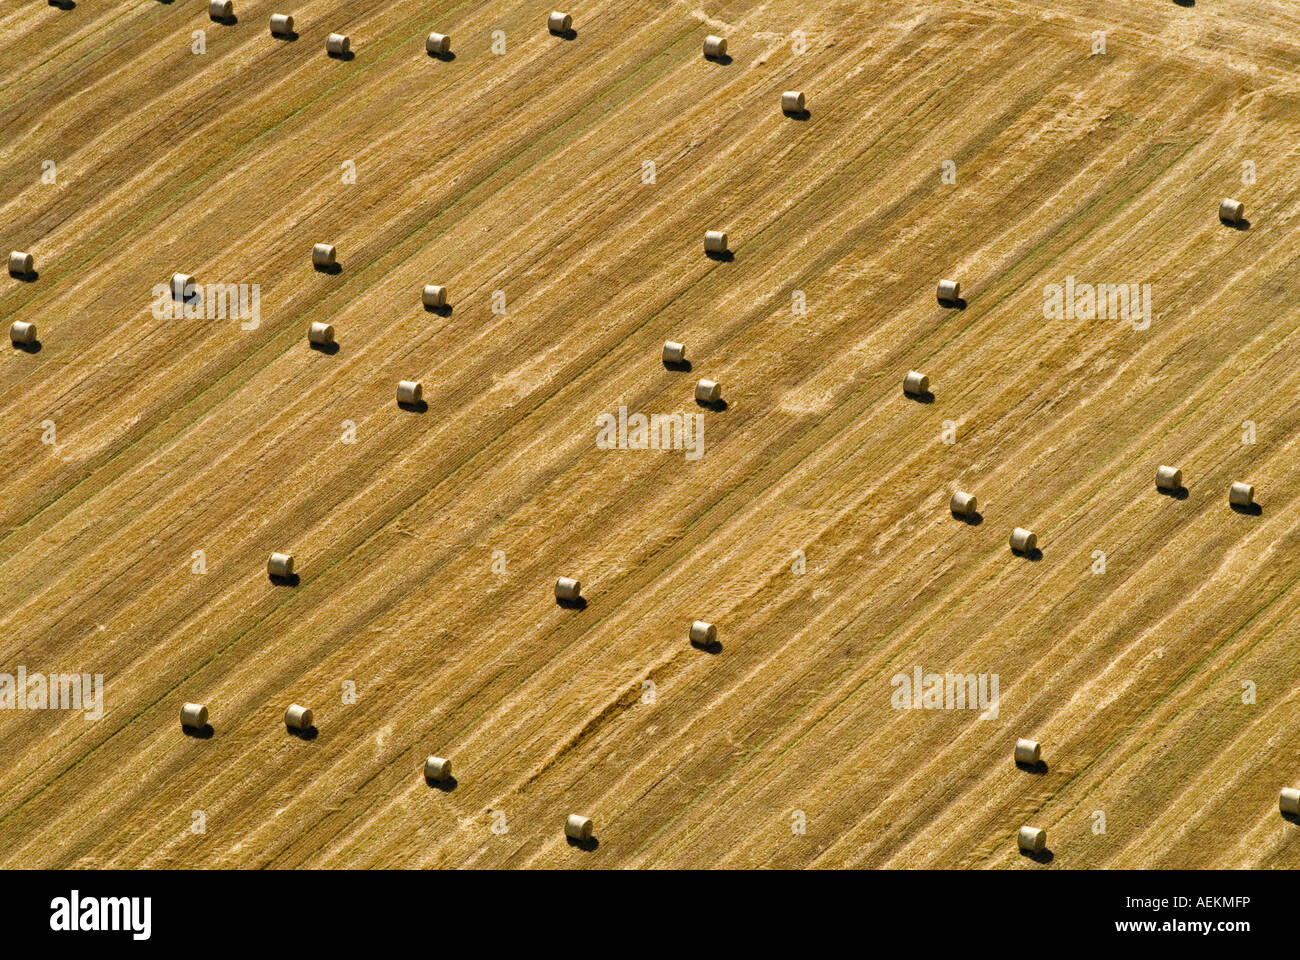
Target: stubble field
(814, 530)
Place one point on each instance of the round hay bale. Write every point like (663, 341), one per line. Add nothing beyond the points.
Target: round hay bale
(1032, 839)
(703, 633)
(437, 768)
(708, 391)
(1169, 478)
(577, 828)
(324, 255)
(963, 504)
(21, 264)
(22, 333)
(915, 383)
(1022, 541)
(1241, 494)
(1231, 211)
(410, 391)
(1028, 752)
(298, 717)
(194, 716)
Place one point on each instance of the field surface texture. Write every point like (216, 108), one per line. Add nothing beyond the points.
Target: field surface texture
(560, 188)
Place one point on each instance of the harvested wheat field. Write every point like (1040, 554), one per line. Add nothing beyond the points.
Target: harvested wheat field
(558, 187)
